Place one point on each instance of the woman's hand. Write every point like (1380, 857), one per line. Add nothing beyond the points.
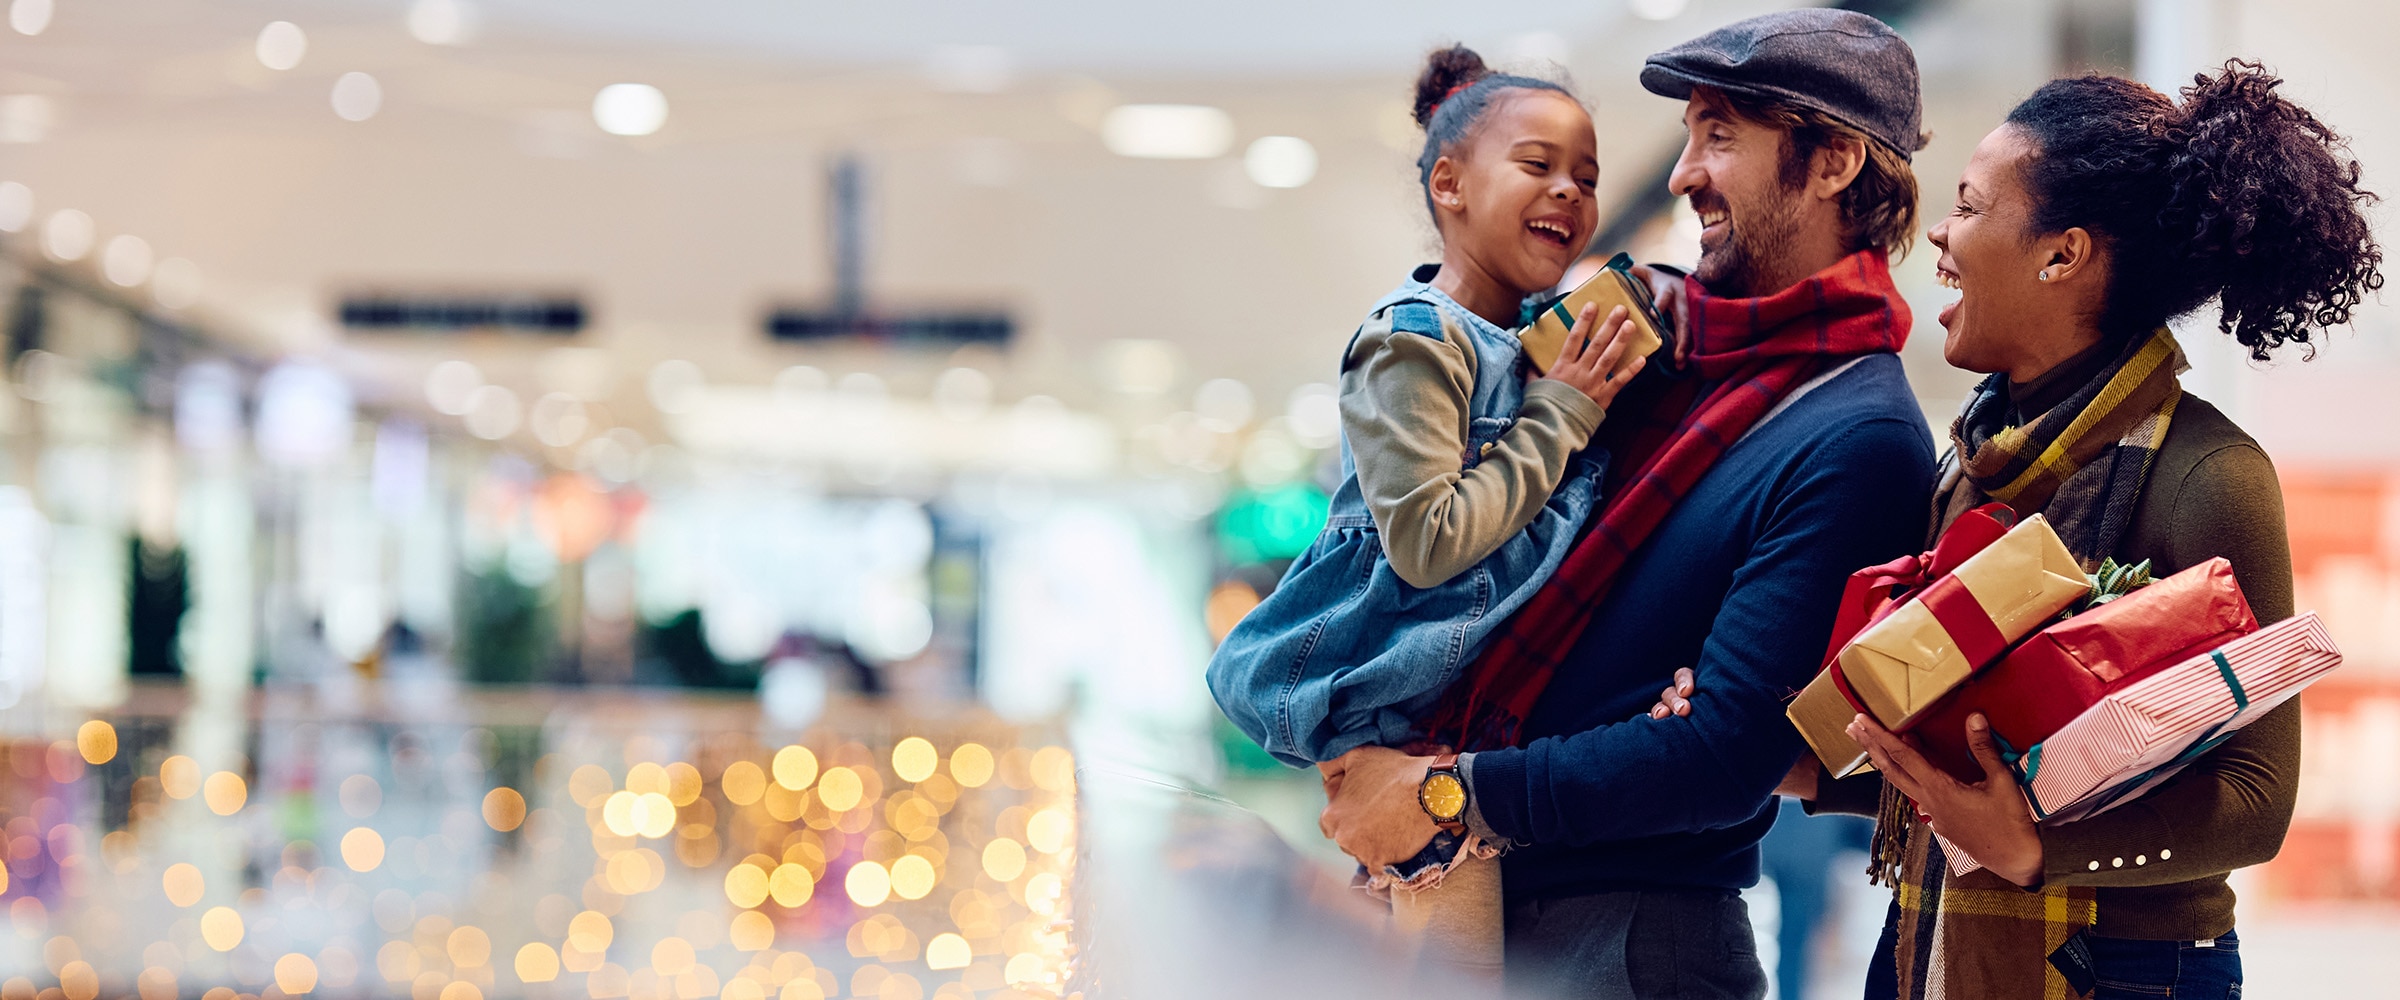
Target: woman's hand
(1666, 292)
(1677, 698)
(1588, 360)
(1988, 819)
(1371, 809)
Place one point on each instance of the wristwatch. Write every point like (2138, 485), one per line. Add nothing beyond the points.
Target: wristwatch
(1443, 792)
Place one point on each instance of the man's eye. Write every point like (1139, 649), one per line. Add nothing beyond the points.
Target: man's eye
(1962, 209)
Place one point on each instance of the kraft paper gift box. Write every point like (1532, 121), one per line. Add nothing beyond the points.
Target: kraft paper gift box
(2140, 735)
(1613, 286)
(2062, 670)
(1920, 648)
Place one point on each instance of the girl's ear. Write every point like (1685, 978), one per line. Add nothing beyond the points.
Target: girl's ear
(1446, 186)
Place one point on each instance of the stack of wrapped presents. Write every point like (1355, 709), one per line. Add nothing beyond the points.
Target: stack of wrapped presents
(2098, 687)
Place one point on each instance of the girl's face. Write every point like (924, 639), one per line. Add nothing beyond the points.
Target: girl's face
(1516, 197)
(2006, 313)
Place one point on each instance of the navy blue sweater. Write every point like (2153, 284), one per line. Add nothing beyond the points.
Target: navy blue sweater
(1739, 583)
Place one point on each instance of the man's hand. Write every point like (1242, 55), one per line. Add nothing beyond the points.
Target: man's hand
(1988, 819)
(1801, 782)
(1666, 291)
(1372, 811)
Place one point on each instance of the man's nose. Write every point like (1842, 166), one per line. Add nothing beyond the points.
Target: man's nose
(1687, 176)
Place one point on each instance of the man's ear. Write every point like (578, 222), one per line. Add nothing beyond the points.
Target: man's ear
(1835, 166)
(1445, 185)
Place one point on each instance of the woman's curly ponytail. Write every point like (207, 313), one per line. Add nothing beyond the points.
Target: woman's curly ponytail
(2238, 194)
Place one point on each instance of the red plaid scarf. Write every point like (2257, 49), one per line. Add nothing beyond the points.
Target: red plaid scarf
(1746, 354)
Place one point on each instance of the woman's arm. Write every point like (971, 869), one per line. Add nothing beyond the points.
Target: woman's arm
(2229, 809)
(1404, 405)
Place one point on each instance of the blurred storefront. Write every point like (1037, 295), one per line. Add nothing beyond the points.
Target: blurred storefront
(477, 524)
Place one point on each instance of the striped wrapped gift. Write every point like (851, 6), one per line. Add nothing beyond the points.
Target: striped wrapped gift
(2141, 735)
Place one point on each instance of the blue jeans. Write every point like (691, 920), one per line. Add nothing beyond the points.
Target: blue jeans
(2122, 968)
(2144, 970)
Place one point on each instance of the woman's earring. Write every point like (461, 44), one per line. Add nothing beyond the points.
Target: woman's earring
(2045, 275)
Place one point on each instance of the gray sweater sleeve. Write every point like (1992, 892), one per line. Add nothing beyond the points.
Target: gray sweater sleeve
(1404, 403)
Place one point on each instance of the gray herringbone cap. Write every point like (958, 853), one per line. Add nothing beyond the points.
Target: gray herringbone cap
(1840, 62)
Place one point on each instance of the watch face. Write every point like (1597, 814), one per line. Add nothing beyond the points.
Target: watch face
(1443, 796)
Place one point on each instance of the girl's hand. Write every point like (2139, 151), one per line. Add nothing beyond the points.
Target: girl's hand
(1666, 292)
(1988, 819)
(1588, 360)
(1677, 698)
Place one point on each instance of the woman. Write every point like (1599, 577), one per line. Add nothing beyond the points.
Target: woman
(2098, 211)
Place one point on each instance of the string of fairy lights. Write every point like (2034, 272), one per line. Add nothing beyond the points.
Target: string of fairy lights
(810, 871)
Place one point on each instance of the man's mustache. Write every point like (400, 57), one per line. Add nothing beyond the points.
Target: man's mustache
(1706, 200)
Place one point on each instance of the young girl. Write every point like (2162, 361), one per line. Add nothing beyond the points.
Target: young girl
(1463, 488)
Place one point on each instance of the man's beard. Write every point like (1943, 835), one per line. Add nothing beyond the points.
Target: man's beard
(1748, 263)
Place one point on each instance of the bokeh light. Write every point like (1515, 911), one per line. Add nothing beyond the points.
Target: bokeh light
(281, 45)
(795, 767)
(221, 928)
(751, 931)
(225, 792)
(840, 789)
(629, 109)
(914, 759)
(295, 974)
(1003, 859)
(791, 886)
(469, 947)
(868, 884)
(503, 809)
(183, 883)
(971, 765)
(97, 741)
(536, 963)
(362, 849)
(743, 783)
(948, 951)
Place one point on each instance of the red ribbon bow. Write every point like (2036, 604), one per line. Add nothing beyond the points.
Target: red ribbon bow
(1876, 591)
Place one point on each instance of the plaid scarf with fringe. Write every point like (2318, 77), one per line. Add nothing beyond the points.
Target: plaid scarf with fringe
(2082, 465)
(1664, 434)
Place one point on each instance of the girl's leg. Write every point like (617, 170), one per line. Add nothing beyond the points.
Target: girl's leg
(1458, 922)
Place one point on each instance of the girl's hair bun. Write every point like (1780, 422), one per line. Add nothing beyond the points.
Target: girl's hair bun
(1446, 70)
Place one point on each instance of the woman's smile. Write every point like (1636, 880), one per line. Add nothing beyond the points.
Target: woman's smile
(1948, 278)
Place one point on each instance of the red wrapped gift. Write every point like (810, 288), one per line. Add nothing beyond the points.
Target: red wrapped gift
(2062, 670)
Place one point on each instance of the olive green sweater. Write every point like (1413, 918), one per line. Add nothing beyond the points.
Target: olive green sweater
(1406, 415)
(2160, 861)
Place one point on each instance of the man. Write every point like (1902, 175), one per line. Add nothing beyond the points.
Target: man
(1788, 452)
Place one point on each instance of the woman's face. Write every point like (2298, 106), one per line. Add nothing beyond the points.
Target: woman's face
(1521, 203)
(1994, 262)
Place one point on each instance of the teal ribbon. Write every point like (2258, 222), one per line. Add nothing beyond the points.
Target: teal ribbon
(1621, 262)
(2028, 763)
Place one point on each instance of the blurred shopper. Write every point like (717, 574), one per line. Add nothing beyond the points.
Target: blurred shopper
(2096, 213)
(1464, 488)
(1800, 854)
(1783, 451)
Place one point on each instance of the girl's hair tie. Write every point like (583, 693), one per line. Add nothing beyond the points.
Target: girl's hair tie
(1450, 93)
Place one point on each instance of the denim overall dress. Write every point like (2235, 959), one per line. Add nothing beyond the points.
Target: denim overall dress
(1344, 653)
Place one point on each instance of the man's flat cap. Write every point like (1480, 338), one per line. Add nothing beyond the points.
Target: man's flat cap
(1843, 63)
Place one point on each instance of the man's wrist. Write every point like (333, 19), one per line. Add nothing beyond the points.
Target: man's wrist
(1474, 817)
